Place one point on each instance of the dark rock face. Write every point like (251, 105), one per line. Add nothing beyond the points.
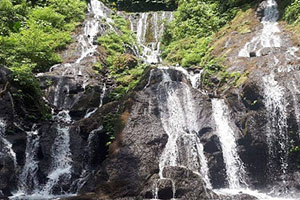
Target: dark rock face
(188, 185)
(133, 166)
(7, 170)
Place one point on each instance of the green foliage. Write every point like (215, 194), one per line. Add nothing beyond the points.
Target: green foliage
(196, 18)
(47, 16)
(125, 68)
(292, 13)
(187, 40)
(109, 123)
(31, 32)
(188, 52)
(72, 10)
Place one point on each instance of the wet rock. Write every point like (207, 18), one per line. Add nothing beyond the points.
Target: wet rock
(260, 10)
(252, 54)
(165, 189)
(7, 170)
(188, 185)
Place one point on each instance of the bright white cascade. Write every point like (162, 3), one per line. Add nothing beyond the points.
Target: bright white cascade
(62, 163)
(273, 92)
(269, 36)
(91, 29)
(178, 115)
(277, 123)
(28, 178)
(235, 170)
(149, 30)
(7, 144)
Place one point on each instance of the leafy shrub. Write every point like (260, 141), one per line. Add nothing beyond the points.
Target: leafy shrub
(73, 10)
(292, 12)
(124, 67)
(47, 15)
(187, 40)
(31, 33)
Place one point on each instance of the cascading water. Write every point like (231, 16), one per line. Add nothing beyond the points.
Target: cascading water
(60, 173)
(273, 93)
(90, 112)
(275, 103)
(62, 163)
(60, 170)
(178, 115)
(28, 178)
(269, 36)
(277, 124)
(235, 170)
(177, 110)
(149, 28)
(91, 28)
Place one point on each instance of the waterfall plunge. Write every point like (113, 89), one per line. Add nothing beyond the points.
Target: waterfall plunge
(149, 28)
(275, 103)
(28, 178)
(178, 115)
(269, 36)
(235, 170)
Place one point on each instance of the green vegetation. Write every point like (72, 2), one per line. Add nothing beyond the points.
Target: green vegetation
(31, 32)
(109, 122)
(188, 39)
(124, 67)
(292, 13)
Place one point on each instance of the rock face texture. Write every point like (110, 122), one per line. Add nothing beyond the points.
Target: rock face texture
(134, 162)
(167, 141)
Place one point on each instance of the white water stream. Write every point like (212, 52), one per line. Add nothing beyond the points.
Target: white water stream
(269, 36)
(276, 133)
(91, 29)
(28, 178)
(149, 28)
(178, 114)
(235, 170)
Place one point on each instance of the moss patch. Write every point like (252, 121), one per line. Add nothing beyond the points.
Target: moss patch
(245, 22)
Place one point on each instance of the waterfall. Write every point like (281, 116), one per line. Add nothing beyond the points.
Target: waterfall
(277, 135)
(28, 178)
(273, 93)
(29, 187)
(62, 163)
(149, 28)
(91, 28)
(269, 36)
(235, 170)
(178, 115)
